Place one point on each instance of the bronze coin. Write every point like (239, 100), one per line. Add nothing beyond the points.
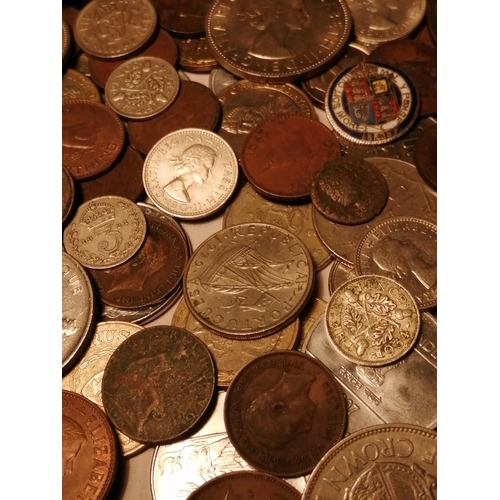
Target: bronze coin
(281, 155)
(425, 156)
(349, 191)
(163, 47)
(158, 383)
(92, 137)
(89, 453)
(151, 274)
(196, 106)
(245, 484)
(66, 42)
(195, 55)
(283, 412)
(68, 194)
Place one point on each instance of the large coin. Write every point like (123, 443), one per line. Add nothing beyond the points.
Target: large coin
(283, 412)
(249, 280)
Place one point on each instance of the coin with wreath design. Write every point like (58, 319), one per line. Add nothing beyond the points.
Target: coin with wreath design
(372, 320)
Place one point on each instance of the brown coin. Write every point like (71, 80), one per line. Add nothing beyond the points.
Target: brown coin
(195, 55)
(66, 42)
(163, 47)
(425, 156)
(158, 383)
(349, 191)
(124, 179)
(153, 273)
(431, 18)
(76, 85)
(425, 36)
(245, 484)
(68, 194)
(196, 106)
(281, 155)
(283, 412)
(89, 454)
(92, 137)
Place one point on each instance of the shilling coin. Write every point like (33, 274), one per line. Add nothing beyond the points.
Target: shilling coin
(68, 194)
(249, 280)
(372, 103)
(105, 232)
(191, 173)
(372, 320)
(76, 85)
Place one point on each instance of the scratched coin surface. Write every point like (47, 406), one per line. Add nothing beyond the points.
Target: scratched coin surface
(396, 462)
(283, 412)
(372, 320)
(249, 280)
(105, 232)
(158, 383)
(89, 455)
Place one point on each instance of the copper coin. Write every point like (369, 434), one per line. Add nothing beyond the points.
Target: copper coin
(152, 273)
(349, 191)
(195, 55)
(66, 42)
(92, 137)
(162, 47)
(89, 454)
(283, 412)
(68, 194)
(196, 106)
(282, 154)
(425, 156)
(419, 62)
(245, 484)
(124, 179)
(158, 383)
(76, 85)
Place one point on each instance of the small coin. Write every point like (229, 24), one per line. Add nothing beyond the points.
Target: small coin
(195, 55)
(68, 194)
(425, 156)
(283, 412)
(76, 85)
(158, 383)
(105, 232)
(89, 456)
(372, 320)
(219, 79)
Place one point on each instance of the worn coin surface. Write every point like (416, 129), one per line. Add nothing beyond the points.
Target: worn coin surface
(372, 320)
(425, 156)
(191, 173)
(249, 280)
(68, 194)
(158, 383)
(397, 462)
(76, 85)
(195, 55)
(105, 232)
(283, 412)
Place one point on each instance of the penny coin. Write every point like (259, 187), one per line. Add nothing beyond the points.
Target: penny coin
(249, 280)
(195, 106)
(250, 484)
(425, 156)
(142, 87)
(277, 43)
(158, 383)
(397, 462)
(153, 272)
(76, 85)
(89, 457)
(191, 173)
(105, 232)
(349, 191)
(78, 311)
(92, 137)
(195, 55)
(282, 154)
(111, 28)
(372, 103)
(68, 194)
(66, 42)
(86, 377)
(372, 320)
(283, 411)
(404, 249)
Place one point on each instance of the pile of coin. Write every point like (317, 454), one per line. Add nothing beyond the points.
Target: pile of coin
(249, 259)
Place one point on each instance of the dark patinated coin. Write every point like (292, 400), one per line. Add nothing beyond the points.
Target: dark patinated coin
(283, 412)
(349, 190)
(68, 194)
(158, 383)
(425, 156)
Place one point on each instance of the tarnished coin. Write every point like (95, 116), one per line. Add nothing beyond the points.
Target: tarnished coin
(372, 320)
(68, 194)
(142, 87)
(78, 311)
(76, 85)
(86, 377)
(425, 156)
(404, 249)
(249, 280)
(280, 41)
(89, 457)
(348, 190)
(105, 232)
(195, 55)
(66, 42)
(158, 383)
(115, 28)
(191, 173)
(283, 412)
(397, 462)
